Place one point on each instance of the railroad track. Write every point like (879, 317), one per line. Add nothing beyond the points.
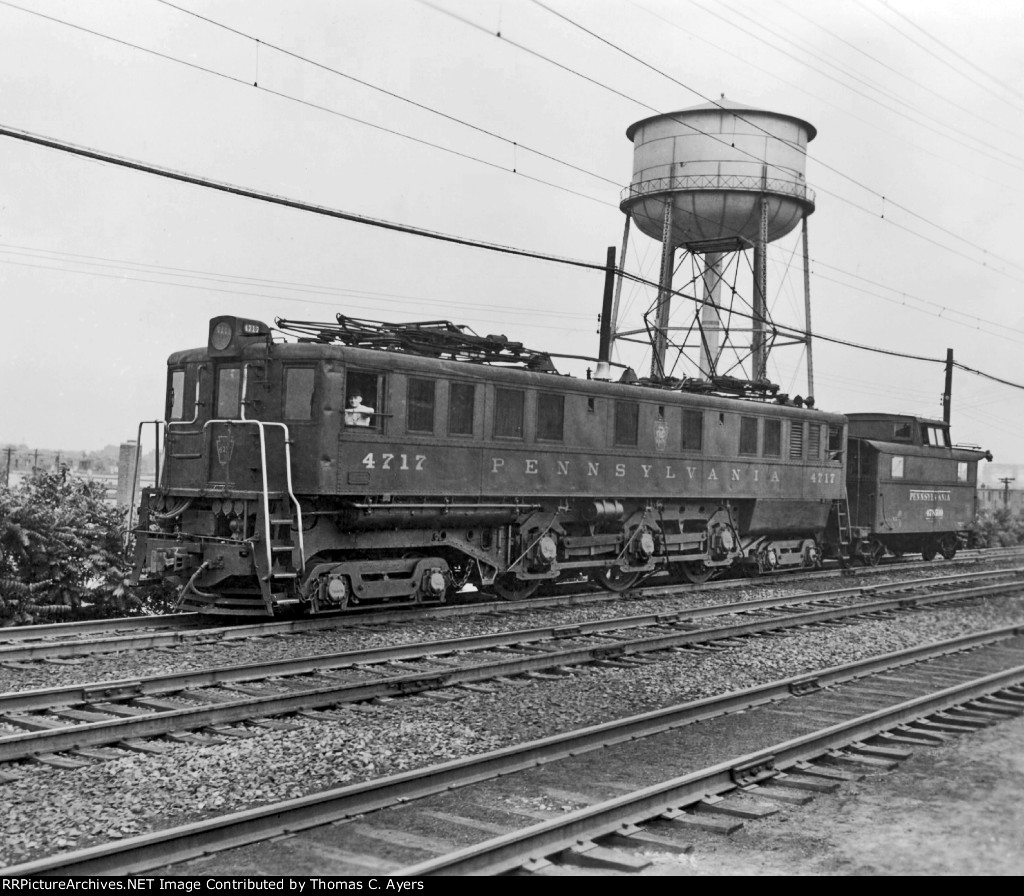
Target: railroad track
(64, 641)
(638, 782)
(70, 726)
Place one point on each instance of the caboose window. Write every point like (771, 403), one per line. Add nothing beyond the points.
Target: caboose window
(772, 438)
(627, 420)
(550, 416)
(420, 402)
(961, 471)
(508, 413)
(298, 393)
(693, 430)
(229, 392)
(902, 432)
(897, 468)
(748, 435)
(177, 396)
(936, 436)
(461, 399)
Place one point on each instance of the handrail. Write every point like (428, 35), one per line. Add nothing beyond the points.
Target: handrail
(136, 472)
(261, 426)
(752, 183)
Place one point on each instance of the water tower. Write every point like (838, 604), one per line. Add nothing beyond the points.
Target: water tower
(716, 181)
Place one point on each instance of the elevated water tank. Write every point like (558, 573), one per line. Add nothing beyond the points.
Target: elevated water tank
(714, 163)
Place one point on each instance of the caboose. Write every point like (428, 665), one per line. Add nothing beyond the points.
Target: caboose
(370, 463)
(910, 489)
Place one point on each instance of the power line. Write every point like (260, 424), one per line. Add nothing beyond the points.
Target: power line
(288, 203)
(739, 115)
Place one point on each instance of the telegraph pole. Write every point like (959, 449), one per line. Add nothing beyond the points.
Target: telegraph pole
(947, 395)
(1006, 489)
(7, 471)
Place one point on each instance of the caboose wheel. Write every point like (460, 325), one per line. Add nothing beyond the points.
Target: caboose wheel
(612, 578)
(508, 587)
(947, 546)
(928, 553)
(696, 573)
(874, 551)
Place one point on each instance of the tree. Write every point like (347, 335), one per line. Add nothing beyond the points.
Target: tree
(62, 554)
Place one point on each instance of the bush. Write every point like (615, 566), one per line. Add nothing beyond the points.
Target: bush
(62, 555)
(999, 528)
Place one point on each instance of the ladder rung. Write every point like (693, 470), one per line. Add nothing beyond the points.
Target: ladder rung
(284, 575)
(282, 547)
(283, 521)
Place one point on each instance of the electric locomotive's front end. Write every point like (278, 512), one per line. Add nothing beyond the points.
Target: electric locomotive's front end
(222, 521)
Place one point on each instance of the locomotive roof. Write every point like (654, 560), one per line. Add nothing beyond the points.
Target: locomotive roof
(414, 364)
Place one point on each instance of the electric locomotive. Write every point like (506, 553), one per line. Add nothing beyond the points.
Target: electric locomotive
(369, 464)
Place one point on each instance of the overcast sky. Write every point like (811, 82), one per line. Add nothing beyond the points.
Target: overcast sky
(517, 139)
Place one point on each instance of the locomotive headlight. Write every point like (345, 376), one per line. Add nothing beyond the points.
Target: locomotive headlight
(220, 337)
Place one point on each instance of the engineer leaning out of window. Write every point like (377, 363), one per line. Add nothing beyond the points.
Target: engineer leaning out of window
(357, 413)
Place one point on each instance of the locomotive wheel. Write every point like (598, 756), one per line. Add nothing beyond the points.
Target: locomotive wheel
(928, 553)
(947, 546)
(696, 573)
(613, 579)
(508, 587)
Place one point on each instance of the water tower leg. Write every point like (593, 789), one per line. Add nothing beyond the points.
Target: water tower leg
(807, 312)
(664, 295)
(758, 356)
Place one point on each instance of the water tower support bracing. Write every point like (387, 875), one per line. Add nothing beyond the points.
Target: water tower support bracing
(668, 251)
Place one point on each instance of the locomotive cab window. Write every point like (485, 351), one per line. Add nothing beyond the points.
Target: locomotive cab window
(693, 430)
(627, 422)
(836, 443)
(461, 403)
(298, 393)
(550, 416)
(772, 438)
(229, 393)
(508, 413)
(176, 396)
(363, 396)
(420, 405)
(748, 435)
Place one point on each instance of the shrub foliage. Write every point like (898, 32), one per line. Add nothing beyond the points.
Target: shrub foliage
(62, 554)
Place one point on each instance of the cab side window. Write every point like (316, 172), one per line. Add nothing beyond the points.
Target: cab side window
(176, 396)
(298, 393)
(364, 397)
(772, 438)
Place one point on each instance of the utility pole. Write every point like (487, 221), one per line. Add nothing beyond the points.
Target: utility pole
(7, 473)
(947, 395)
(1006, 490)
